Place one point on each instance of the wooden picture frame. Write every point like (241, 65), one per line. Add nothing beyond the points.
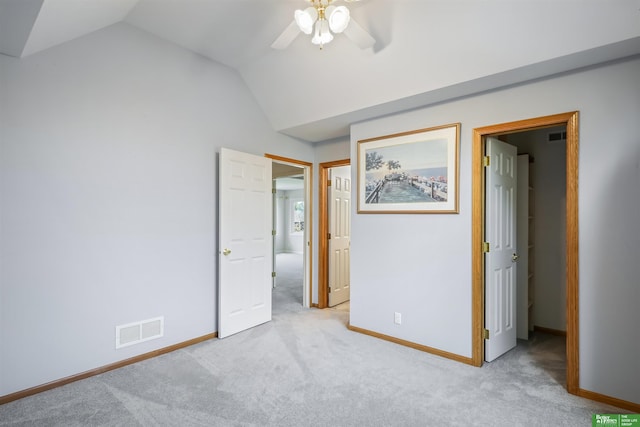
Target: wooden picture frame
(410, 172)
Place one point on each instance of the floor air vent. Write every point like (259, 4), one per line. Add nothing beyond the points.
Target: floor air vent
(137, 332)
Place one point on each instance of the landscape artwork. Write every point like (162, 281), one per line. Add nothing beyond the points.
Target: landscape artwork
(410, 172)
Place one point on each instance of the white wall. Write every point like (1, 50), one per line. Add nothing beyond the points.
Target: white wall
(108, 197)
(280, 221)
(420, 265)
(286, 240)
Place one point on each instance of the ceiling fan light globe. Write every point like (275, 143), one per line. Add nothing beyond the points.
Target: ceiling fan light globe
(305, 19)
(322, 35)
(338, 17)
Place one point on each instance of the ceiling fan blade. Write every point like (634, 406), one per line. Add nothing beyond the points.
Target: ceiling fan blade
(288, 35)
(358, 35)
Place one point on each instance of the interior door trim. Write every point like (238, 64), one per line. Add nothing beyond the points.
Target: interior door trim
(323, 230)
(570, 120)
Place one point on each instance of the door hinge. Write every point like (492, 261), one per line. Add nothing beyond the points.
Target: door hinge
(273, 232)
(485, 334)
(328, 236)
(328, 183)
(329, 289)
(485, 247)
(273, 274)
(486, 161)
(273, 191)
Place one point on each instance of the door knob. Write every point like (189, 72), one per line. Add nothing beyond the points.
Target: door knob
(226, 251)
(515, 257)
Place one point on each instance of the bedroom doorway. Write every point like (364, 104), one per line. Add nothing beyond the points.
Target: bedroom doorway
(292, 231)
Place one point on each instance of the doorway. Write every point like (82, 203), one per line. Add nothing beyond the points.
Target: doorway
(324, 227)
(543, 220)
(535, 290)
(291, 232)
(570, 122)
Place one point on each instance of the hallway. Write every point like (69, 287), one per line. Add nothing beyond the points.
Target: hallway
(287, 294)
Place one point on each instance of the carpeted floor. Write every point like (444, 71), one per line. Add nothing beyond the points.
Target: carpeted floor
(287, 295)
(305, 368)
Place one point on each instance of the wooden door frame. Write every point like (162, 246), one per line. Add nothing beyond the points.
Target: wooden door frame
(323, 230)
(308, 199)
(570, 120)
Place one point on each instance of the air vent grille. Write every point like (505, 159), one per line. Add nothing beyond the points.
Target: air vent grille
(554, 137)
(137, 332)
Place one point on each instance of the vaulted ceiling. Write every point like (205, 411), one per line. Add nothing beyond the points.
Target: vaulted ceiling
(426, 51)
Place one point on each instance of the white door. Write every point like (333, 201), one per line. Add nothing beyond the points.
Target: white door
(244, 285)
(500, 261)
(340, 239)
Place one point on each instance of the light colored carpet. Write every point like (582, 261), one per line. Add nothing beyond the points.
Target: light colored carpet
(287, 295)
(305, 368)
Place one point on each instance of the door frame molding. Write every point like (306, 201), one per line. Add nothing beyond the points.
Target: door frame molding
(323, 230)
(308, 200)
(570, 120)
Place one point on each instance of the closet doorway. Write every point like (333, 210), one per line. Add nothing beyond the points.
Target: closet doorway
(536, 294)
(570, 122)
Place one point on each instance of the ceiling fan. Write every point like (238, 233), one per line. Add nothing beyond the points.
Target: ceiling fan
(324, 19)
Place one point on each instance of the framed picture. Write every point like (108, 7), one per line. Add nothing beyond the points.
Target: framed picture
(410, 172)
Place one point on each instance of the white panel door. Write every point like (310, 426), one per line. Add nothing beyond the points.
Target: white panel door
(500, 261)
(340, 230)
(245, 260)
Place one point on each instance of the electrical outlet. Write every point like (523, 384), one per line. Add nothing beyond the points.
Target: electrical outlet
(397, 318)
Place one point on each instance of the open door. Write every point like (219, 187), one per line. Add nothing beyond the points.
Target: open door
(501, 255)
(245, 259)
(340, 235)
